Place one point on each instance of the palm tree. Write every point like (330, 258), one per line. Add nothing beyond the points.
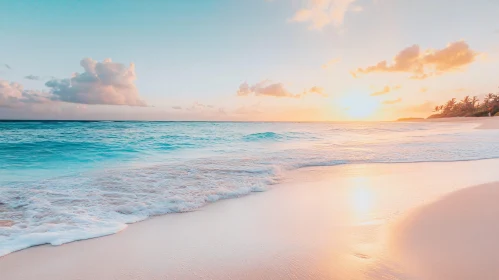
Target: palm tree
(490, 101)
(474, 102)
(465, 103)
(466, 99)
(489, 97)
(449, 106)
(469, 106)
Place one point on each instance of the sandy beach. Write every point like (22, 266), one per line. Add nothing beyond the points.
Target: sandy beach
(482, 122)
(344, 222)
(358, 221)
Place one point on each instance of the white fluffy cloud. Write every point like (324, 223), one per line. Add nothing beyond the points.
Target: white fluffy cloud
(107, 83)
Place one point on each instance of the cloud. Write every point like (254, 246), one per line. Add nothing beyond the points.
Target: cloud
(10, 93)
(101, 83)
(391, 102)
(423, 89)
(316, 90)
(320, 13)
(8, 66)
(199, 111)
(425, 64)
(197, 106)
(265, 88)
(107, 83)
(32, 77)
(13, 95)
(330, 63)
(385, 90)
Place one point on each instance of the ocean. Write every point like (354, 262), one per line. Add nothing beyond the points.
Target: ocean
(66, 181)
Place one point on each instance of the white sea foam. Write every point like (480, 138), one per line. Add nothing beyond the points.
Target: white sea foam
(103, 176)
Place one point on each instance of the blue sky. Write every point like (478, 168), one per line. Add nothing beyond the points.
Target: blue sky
(200, 52)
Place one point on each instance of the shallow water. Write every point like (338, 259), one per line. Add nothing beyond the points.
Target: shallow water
(65, 181)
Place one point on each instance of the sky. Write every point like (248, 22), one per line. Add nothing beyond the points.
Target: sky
(251, 60)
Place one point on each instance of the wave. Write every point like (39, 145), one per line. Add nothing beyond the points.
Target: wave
(69, 208)
(263, 136)
(147, 169)
(321, 163)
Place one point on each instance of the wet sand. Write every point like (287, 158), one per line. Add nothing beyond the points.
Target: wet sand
(342, 222)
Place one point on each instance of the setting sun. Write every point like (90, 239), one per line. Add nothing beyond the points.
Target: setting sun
(358, 106)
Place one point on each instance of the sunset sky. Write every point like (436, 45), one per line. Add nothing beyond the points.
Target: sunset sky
(283, 60)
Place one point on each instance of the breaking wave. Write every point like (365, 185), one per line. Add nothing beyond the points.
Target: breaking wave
(67, 181)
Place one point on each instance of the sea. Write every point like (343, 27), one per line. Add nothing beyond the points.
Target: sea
(62, 181)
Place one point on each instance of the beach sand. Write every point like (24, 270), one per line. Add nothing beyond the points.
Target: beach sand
(372, 221)
(482, 122)
(452, 238)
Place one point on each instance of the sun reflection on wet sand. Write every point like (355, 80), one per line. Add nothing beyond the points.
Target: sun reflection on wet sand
(361, 199)
(323, 223)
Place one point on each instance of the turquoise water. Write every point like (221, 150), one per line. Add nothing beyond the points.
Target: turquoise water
(65, 181)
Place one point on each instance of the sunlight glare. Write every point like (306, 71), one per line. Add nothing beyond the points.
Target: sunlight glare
(362, 198)
(359, 106)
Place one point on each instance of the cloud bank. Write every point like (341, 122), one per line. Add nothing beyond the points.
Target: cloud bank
(321, 13)
(424, 64)
(106, 83)
(265, 88)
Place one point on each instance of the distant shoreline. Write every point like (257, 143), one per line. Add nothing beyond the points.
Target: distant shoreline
(482, 122)
(410, 119)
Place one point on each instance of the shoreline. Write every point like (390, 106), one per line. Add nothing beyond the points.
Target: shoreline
(482, 122)
(30, 241)
(312, 218)
(8, 223)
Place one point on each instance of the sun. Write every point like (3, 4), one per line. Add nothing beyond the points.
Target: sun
(359, 106)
